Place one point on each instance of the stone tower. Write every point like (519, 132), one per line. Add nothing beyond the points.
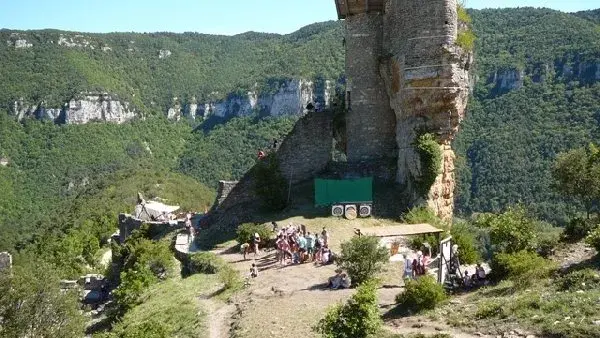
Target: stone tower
(405, 75)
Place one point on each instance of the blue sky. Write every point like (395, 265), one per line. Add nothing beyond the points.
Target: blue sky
(204, 16)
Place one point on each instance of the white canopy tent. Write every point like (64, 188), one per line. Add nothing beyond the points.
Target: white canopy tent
(154, 211)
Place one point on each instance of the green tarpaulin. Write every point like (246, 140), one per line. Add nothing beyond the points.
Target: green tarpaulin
(329, 192)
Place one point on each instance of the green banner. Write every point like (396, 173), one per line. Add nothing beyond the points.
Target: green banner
(329, 192)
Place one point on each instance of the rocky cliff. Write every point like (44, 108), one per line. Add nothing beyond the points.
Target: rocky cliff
(284, 97)
(427, 78)
(81, 109)
(406, 76)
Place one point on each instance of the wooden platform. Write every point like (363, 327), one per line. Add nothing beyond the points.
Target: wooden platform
(402, 230)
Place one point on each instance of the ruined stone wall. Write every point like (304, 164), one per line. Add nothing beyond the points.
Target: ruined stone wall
(303, 154)
(370, 122)
(128, 223)
(306, 151)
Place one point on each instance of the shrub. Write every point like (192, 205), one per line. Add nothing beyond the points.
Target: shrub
(246, 231)
(547, 237)
(269, 184)
(464, 237)
(585, 279)
(230, 278)
(156, 256)
(205, 262)
(424, 293)
(463, 15)
(511, 231)
(147, 329)
(132, 286)
(358, 318)
(523, 267)
(490, 309)
(578, 228)
(593, 239)
(362, 257)
(466, 39)
(430, 156)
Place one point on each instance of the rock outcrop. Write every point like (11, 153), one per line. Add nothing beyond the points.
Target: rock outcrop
(406, 76)
(97, 107)
(283, 98)
(83, 108)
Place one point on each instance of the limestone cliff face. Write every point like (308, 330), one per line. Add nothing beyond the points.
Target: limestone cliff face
(289, 97)
(97, 107)
(82, 109)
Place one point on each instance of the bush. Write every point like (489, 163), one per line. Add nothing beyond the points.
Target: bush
(205, 262)
(522, 268)
(586, 279)
(246, 231)
(430, 156)
(490, 309)
(464, 237)
(511, 231)
(578, 228)
(269, 184)
(132, 286)
(147, 329)
(424, 293)
(593, 239)
(230, 278)
(362, 257)
(466, 40)
(156, 256)
(358, 318)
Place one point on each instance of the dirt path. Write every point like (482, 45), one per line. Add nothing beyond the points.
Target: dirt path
(414, 325)
(218, 317)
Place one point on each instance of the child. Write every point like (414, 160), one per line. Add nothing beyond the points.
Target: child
(254, 271)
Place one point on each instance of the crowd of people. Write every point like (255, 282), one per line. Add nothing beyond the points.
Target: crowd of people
(418, 265)
(295, 245)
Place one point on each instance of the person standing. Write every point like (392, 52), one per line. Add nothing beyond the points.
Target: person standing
(325, 236)
(189, 227)
(255, 242)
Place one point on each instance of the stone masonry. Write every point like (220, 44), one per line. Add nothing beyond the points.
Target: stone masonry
(406, 76)
(305, 152)
(370, 121)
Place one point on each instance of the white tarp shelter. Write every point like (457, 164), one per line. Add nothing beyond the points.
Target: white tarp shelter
(154, 211)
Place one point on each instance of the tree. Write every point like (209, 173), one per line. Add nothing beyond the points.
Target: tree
(577, 173)
(358, 318)
(509, 232)
(32, 305)
(362, 257)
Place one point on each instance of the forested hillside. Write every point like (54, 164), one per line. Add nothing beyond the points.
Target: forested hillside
(538, 94)
(149, 70)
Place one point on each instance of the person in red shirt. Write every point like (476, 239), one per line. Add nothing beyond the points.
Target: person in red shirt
(261, 154)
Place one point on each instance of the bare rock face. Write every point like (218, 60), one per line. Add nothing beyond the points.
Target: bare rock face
(407, 56)
(97, 107)
(288, 97)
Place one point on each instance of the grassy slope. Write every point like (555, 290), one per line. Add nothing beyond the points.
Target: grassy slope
(174, 305)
